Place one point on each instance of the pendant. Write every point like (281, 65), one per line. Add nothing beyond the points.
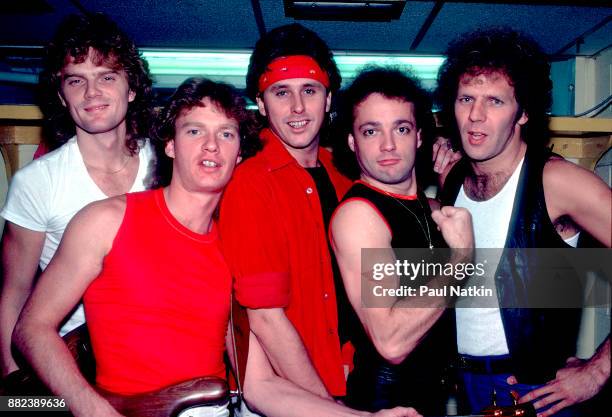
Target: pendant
(431, 246)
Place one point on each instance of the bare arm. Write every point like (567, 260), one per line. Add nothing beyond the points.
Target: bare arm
(578, 381)
(285, 349)
(395, 331)
(21, 249)
(75, 265)
(274, 396)
(575, 192)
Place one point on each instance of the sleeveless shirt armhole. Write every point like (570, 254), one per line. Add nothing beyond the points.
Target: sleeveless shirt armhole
(119, 233)
(369, 203)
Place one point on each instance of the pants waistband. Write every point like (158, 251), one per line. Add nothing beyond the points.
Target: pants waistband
(485, 364)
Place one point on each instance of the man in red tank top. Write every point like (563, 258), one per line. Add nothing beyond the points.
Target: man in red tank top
(148, 265)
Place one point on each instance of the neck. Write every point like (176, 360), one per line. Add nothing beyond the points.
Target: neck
(106, 150)
(306, 157)
(505, 162)
(192, 210)
(487, 180)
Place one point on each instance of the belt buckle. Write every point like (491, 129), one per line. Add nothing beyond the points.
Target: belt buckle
(463, 363)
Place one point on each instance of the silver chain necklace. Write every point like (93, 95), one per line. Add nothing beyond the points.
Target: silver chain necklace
(427, 234)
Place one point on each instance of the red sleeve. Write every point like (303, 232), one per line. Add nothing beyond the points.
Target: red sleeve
(254, 244)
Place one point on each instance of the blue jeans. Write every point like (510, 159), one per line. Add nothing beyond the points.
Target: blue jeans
(478, 392)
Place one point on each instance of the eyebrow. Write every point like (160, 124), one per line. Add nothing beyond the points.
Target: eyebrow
(313, 84)
(203, 124)
(105, 72)
(395, 123)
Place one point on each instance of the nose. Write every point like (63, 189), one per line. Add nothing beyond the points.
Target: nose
(388, 142)
(297, 104)
(210, 144)
(477, 112)
(91, 90)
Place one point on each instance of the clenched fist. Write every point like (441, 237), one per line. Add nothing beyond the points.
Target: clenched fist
(455, 224)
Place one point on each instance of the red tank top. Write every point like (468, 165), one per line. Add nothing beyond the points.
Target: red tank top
(158, 311)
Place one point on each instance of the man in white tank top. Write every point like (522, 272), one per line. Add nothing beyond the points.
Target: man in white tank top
(495, 89)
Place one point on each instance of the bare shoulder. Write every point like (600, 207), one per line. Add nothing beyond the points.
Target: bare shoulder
(100, 219)
(104, 211)
(562, 178)
(573, 191)
(358, 221)
(355, 211)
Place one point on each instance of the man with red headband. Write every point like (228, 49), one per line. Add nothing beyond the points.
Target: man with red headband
(273, 223)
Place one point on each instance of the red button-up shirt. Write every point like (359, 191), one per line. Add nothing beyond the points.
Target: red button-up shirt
(275, 243)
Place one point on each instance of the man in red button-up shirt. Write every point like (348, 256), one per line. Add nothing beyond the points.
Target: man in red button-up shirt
(273, 221)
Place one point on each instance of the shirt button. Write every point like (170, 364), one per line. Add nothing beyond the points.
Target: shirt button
(326, 296)
(330, 331)
(308, 190)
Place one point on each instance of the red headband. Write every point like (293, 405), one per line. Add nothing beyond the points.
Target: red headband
(294, 66)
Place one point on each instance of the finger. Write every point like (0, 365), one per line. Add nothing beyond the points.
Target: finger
(573, 361)
(447, 158)
(437, 216)
(536, 393)
(439, 163)
(455, 156)
(411, 412)
(434, 151)
(549, 399)
(512, 380)
(553, 410)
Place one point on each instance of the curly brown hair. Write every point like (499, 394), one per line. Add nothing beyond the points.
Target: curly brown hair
(189, 95)
(74, 38)
(515, 55)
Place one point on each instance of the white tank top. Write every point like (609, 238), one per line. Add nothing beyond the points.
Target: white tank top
(480, 331)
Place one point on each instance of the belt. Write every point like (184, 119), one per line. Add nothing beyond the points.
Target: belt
(485, 364)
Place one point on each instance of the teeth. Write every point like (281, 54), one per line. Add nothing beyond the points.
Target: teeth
(209, 164)
(298, 124)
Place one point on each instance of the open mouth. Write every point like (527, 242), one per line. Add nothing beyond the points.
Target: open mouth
(91, 109)
(476, 137)
(210, 164)
(298, 124)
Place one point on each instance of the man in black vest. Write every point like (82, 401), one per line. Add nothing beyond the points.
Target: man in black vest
(402, 349)
(495, 90)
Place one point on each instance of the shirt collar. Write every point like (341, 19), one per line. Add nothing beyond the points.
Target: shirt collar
(275, 152)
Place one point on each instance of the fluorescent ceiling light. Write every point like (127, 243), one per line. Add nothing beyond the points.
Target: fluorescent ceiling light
(349, 10)
(170, 68)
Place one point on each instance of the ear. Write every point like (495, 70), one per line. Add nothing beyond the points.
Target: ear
(328, 102)
(351, 142)
(131, 96)
(523, 119)
(261, 105)
(419, 141)
(61, 97)
(170, 148)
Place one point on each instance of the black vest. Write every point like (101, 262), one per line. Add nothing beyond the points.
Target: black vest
(422, 379)
(539, 340)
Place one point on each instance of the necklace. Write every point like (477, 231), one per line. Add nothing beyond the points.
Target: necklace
(426, 233)
(127, 160)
